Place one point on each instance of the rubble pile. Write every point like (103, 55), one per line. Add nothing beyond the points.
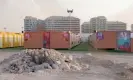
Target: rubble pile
(32, 60)
(38, 59)
(131, 69)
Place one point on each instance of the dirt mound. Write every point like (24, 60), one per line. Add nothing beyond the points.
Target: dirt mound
(34, 60)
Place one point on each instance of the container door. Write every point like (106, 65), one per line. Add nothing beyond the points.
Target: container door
(123, 41)
(46, 43)
(6, 41)
(1, 41)
(19, 40)
(11, 40)
(22, 40)
(67, 36)
(15, 40)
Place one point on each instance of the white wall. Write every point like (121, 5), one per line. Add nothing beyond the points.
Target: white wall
(84, 36)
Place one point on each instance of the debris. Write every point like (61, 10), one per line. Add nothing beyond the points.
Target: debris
(131, 69)
(48, 59)
(33, 60)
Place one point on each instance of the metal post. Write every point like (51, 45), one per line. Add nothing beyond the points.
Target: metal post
(22, 29)
(70, 21)
(70, 12)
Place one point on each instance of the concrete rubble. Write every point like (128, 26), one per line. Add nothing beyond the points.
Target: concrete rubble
(34, 60)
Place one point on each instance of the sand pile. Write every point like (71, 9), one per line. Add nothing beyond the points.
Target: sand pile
(34, 60)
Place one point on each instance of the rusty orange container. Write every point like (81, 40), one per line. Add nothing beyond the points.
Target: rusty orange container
(110, 40)
(33, 40)
(50, 39)
(107, 41)
(59, 40)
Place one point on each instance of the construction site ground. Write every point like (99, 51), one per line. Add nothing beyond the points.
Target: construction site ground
(116, 57)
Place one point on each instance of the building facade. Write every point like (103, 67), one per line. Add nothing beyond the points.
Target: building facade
(116, 25)
(61, 23)
(98, 23)
(85, 28)
(32, 23)
(29, 23)
(39, 21)
(132, 27)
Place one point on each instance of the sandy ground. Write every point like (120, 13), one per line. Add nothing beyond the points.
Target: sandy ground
(56, 75)
(115, 57)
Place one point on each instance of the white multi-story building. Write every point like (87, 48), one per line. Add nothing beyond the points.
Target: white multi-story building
(98, 23)
(132, 27)
(116, 25)
(86, 28)
(62, 23)
(29, 23)
(39, 21)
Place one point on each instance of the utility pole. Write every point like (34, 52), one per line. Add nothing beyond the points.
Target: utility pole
(70, 12)
(5, 29)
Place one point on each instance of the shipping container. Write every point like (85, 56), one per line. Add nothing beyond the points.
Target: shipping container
(111, 40)
(22, 39)
(15, 40)
(50, 39)
(131, 41)
(60, 40)
(124, 40)
(46, 40)
(33, 40)
(1, 40)
(66, 40)
(131, 44)
(19, 39)
(5, 40)
(10, 39)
